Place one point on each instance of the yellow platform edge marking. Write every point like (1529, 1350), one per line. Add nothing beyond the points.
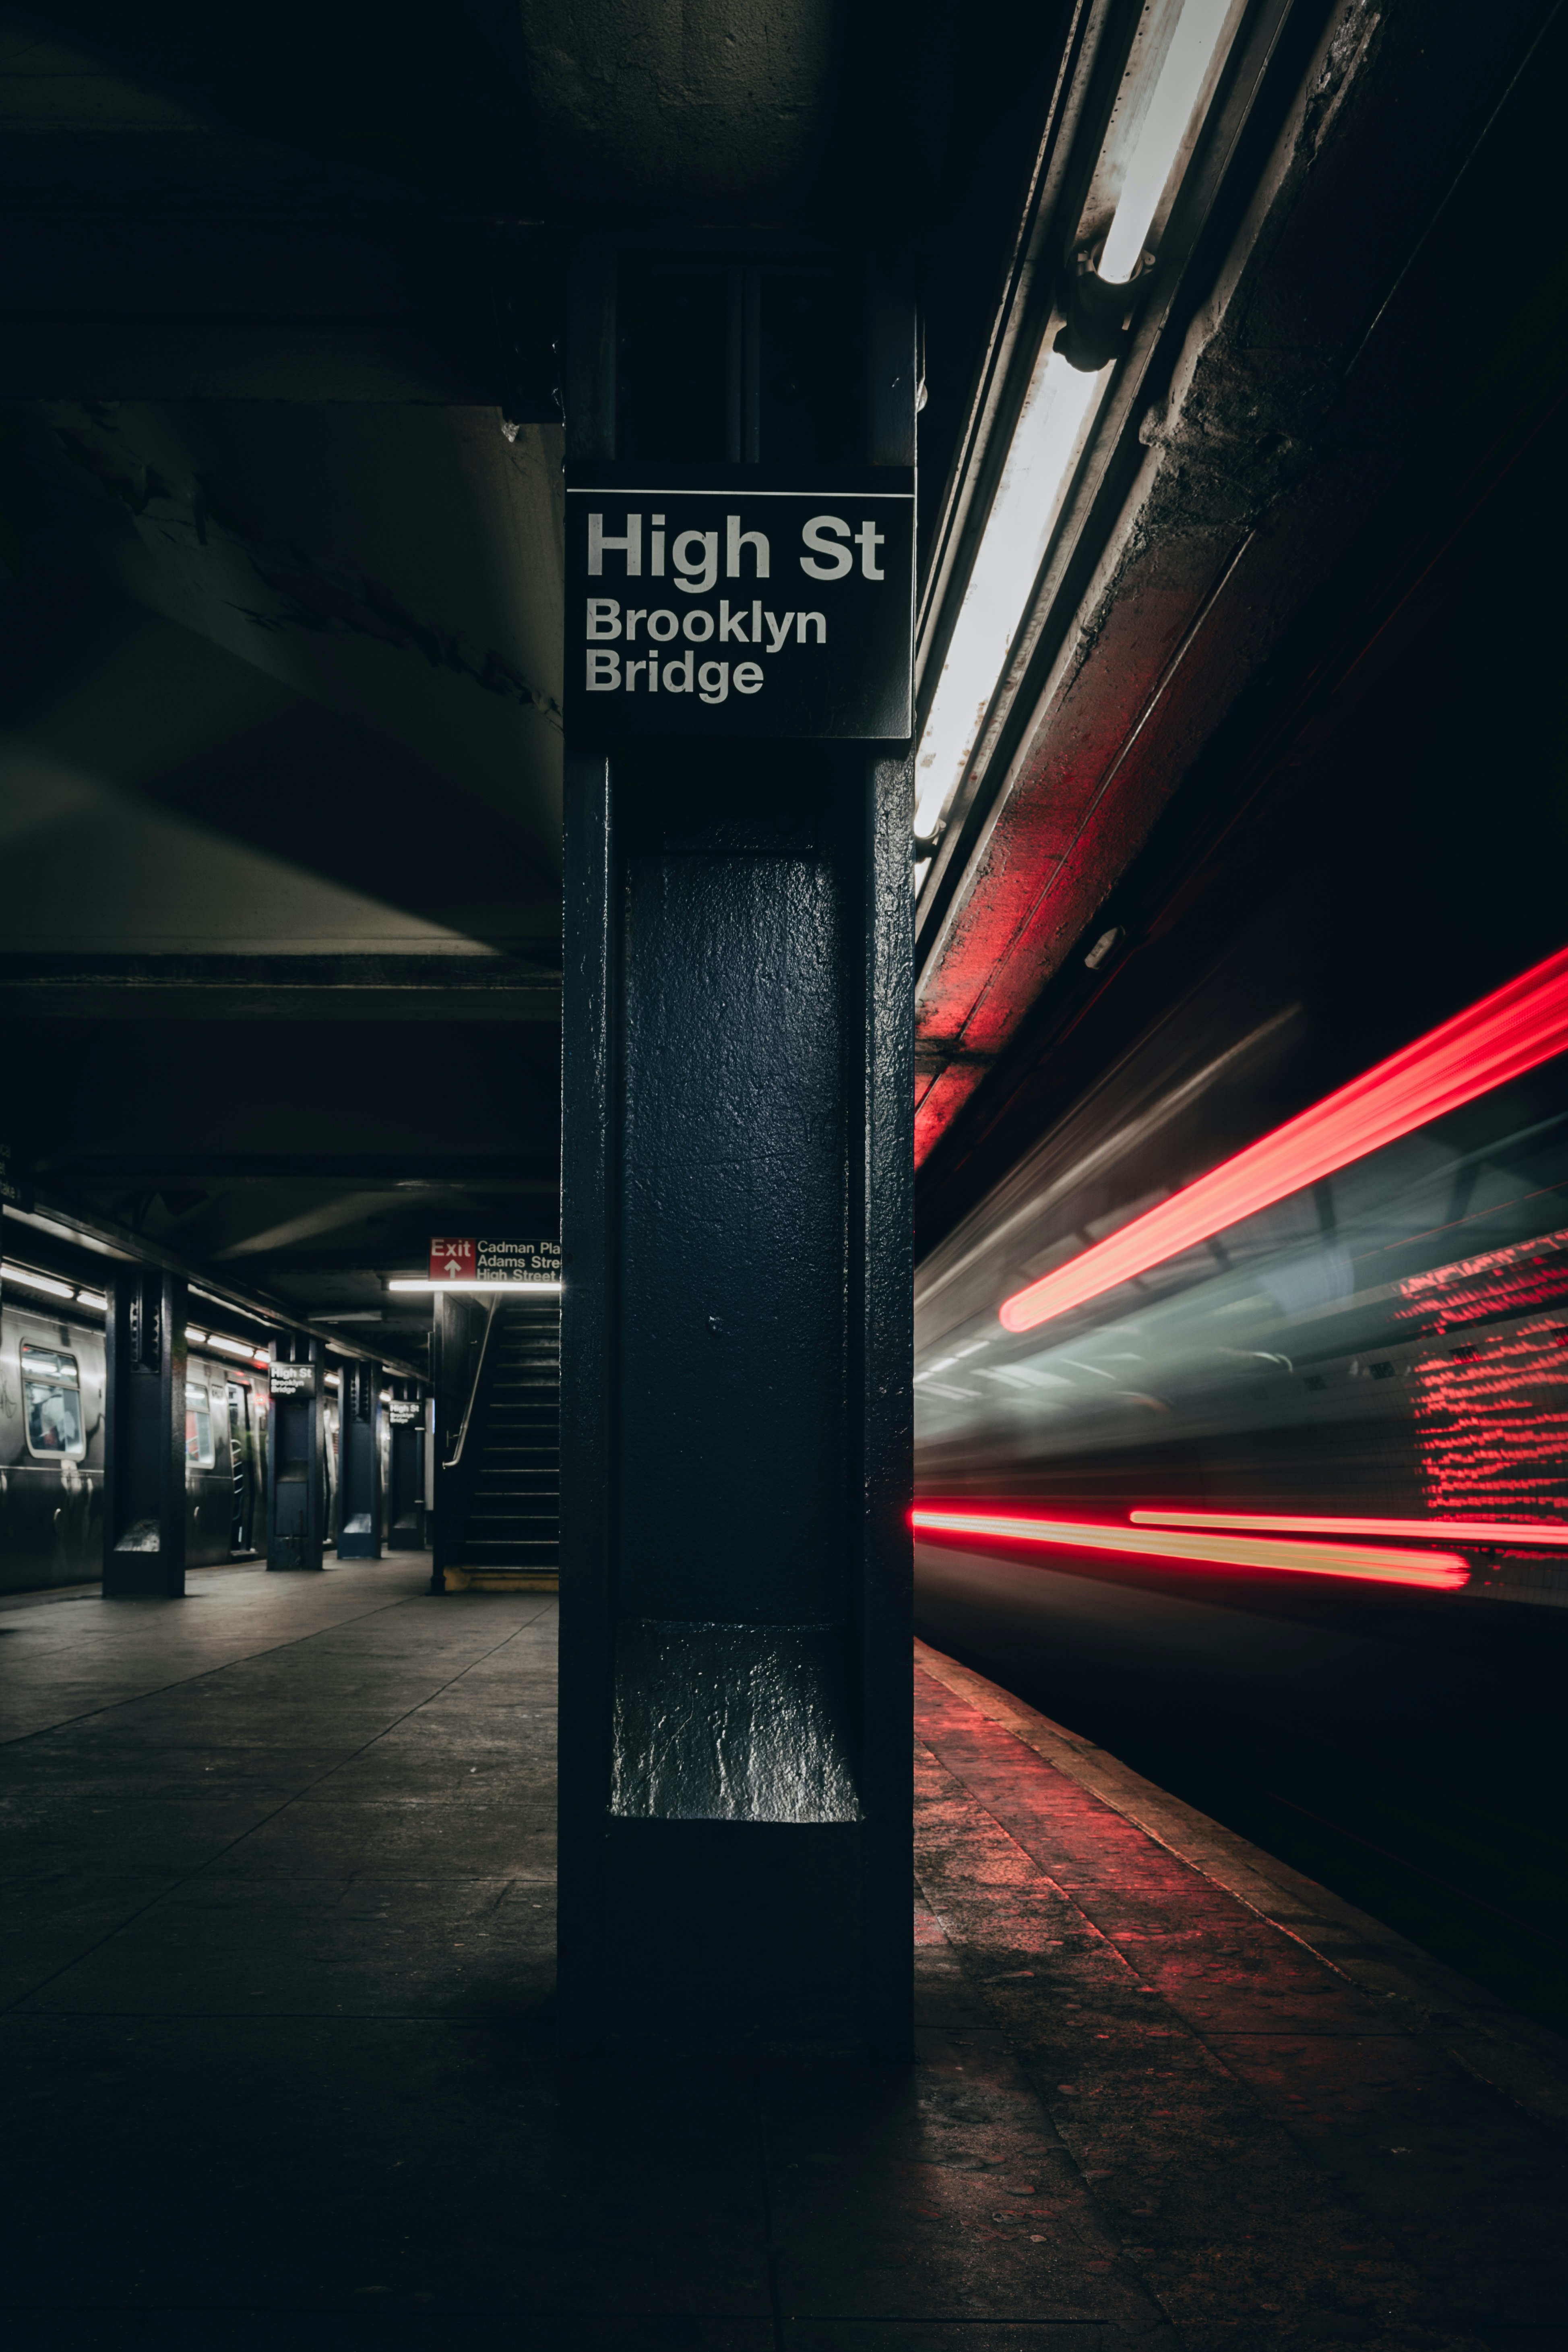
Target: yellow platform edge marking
(499, 1579)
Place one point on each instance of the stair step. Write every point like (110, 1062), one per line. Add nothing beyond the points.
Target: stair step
(511, 1484)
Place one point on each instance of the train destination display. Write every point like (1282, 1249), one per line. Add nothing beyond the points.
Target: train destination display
(723, 601)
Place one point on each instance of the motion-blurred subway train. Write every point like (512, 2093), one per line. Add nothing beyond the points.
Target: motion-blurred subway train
(1338, 1350)
(52, 1439)
(1242, 1445)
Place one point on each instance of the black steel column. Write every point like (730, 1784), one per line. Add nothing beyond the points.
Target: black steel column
(359, 1461)
(144, 1449)
(450, 1351)
(406, 1469)
(462, 1332)
(735, 1394)
(296, 1483)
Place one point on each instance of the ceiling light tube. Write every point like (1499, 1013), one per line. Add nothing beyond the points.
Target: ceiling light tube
(1467, 1531)
(44, 1282)
(473, 1285)
(1060, 404)
(96, 1299)
(1436, 1571)
(1050, 431)
(230, 1346)
(1510, 1032)
(195, 1338)
(1189, 58)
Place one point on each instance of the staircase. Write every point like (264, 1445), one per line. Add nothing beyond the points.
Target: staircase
(505, 1508)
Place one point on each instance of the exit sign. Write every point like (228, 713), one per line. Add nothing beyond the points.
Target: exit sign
(451, 1261)
(494, 1260)
(740, 600)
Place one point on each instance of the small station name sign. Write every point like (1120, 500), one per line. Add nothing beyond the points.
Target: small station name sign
(479, 1260)
(405, 1412)
(722, 599)
(292, 1379)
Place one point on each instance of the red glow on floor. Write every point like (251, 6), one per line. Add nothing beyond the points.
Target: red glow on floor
(1438, 1572)
(1513, 1030)
(1467, 1531)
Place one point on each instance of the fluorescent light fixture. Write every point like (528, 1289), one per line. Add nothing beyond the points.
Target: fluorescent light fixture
(1050, 432)
(473, 1285)
(334, 1382)
(196, 1338)
(1170, 78)
(1438, 1572)
(44, 1282)
(262, 1360)
(230, 1346)
(1510, 1032)
(1189, 54)
(1470, 1531)
(94, 1299)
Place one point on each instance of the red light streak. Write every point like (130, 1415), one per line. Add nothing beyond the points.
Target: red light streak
(1439, 1571)
(1513, 1030)
(1470, 1531)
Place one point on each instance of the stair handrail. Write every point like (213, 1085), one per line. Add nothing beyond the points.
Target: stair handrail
(473, 1392)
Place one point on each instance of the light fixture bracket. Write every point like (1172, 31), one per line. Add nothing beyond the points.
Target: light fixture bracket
(1098, 313)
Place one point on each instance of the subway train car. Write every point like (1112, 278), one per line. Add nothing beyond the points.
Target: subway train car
(1389, 1341)
(1242, 1445)
(52, 1439)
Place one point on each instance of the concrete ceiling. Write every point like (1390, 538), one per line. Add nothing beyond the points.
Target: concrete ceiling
(281, 518)
(281, 311)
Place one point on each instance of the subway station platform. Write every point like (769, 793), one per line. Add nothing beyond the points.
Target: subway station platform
(278, 1963)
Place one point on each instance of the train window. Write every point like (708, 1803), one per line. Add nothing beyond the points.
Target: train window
(199, 1426)
(51, 1390)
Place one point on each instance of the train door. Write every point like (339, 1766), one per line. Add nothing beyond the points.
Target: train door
(242, 1469)
(53, 1495)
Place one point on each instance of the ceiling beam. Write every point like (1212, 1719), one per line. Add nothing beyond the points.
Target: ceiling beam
(416, 987)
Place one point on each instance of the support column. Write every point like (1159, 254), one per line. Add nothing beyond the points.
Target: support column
(144, 1451)
(460, 1336)
(296, 1486)
(449, 1352)
(734, 1672)
(359, 1461)
(405, 1471)
(737, 1177)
